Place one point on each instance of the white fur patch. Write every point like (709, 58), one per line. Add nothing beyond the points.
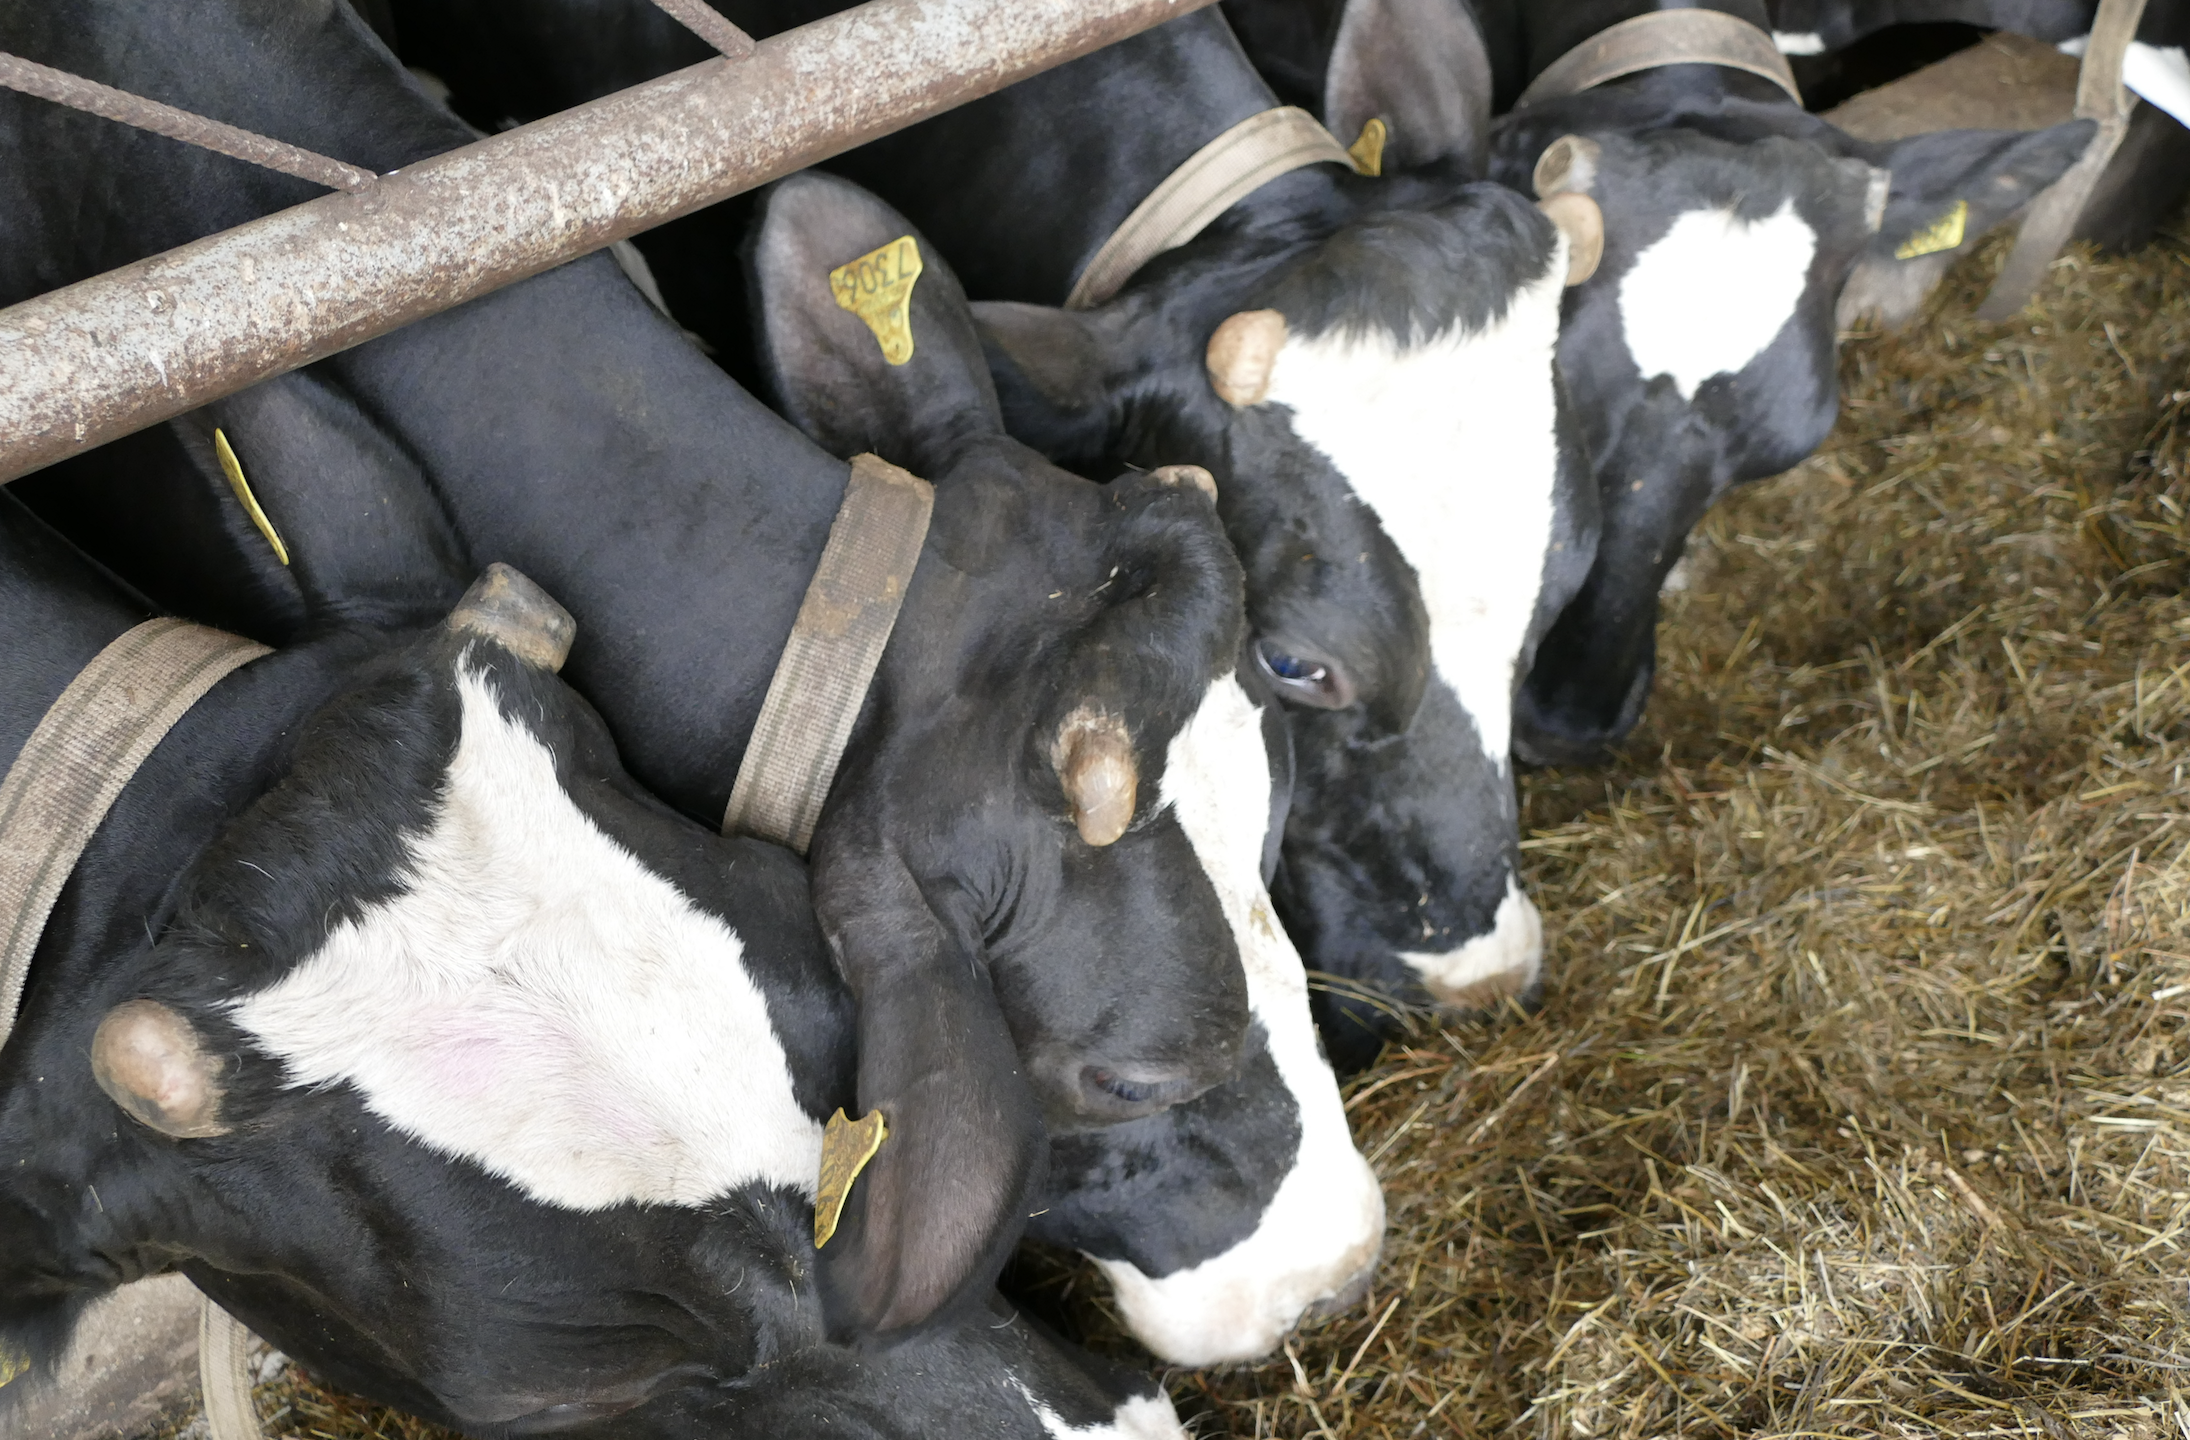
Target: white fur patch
(1453, 445)
(538, 1001)
(1798, 42)
(1326, 1222)
(1709, 295)
(2160, 74)
(1506, 961)
(1144, 1417)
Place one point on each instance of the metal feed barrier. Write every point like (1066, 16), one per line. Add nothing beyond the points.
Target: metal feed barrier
(113, 354)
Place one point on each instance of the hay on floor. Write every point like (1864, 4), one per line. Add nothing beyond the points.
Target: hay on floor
(1859, 1103)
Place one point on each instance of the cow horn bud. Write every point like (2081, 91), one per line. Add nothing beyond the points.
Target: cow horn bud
(1242, 353)
(1192, 475)
(1568, 165)
(516, 614)
(148, 1060)
(1583, 223)
(1093, 757)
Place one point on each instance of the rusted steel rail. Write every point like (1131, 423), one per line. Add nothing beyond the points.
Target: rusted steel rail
(83, 365)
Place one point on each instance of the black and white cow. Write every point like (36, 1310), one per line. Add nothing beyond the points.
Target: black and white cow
(1406, 498)
(1701, 352)
(387, 1008)
(995, 952)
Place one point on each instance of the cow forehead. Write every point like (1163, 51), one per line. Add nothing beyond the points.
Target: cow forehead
(1713, 292)
(1453, 444)
(537, 1000)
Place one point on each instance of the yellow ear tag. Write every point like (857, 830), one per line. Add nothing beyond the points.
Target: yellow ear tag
(846, 1147)
(13, 1366)
(877, 287)
(1942, 234)
(1368, 151)
(234, 471)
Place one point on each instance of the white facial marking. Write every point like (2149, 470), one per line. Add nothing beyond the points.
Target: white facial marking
(1798, 42)
(538, 1001)
(1711, 293)
(1488, 968)
(1325, 1224)
(2158, 73)
(1453, 444)
(1678, 579)
(1144, 1417)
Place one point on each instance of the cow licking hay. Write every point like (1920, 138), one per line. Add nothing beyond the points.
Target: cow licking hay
(1860, 1100)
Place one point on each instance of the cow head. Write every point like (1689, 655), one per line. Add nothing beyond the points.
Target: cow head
(1394, 465)
(1037, 936)
(1223, 1221)
(463, 1069)
(1702, 351)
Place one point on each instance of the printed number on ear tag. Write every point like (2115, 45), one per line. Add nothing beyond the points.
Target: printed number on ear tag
(1942, 234)
(846, 1147)
(233, 469)
(1368, 150)
(877, 287)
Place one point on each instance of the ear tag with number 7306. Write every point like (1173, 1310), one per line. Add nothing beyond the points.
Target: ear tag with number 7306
(877, 287)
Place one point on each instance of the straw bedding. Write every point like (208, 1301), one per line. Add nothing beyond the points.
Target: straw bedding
(1859, 1102)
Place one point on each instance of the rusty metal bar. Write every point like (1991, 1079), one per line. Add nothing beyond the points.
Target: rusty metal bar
(78, 93)
(705, 21)
(86, 364)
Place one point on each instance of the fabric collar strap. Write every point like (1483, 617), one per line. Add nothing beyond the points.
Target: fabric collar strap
(85, 749)
(1663, 37)
(76, 762)
(829, 662)
(1212, 180)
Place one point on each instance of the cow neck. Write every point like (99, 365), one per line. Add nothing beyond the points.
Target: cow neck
(829, 661)
(1021, 188)
(1659, 38)
(1212, 180)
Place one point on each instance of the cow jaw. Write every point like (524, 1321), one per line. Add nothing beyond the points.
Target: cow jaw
(1713, 292)
(540, 1002)
(1324, 1226)
(1485, 971)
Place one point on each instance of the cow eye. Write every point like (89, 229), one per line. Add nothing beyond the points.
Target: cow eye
(1124, 1089)
(1304, 678)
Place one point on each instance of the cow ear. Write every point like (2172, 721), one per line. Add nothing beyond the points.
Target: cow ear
(936, 1212)
(358, 524)
(1419, 67)
(865, 335)
(1051, 370)
(1942, 193)
(1948, 188)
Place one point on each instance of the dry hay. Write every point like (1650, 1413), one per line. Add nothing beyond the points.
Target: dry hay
(1859, 1103)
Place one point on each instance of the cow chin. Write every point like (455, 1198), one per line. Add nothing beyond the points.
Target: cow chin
(1240, 1305)
(1484, 973)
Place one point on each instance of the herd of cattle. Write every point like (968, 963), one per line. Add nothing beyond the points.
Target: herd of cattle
(490, 1078)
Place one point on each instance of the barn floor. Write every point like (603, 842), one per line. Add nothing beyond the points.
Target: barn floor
(1859, 1103)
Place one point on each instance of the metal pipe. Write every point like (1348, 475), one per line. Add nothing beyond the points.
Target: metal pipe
(96, 360)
